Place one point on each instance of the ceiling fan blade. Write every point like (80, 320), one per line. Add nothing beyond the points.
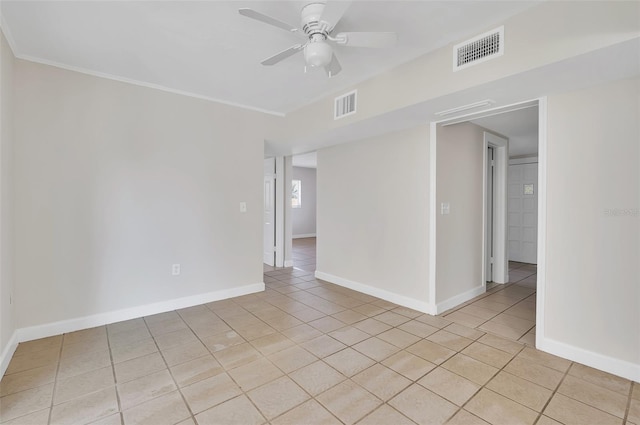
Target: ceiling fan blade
(333, 12)
(334, 67)
(367, 39)
(282, 55)
(250, 13)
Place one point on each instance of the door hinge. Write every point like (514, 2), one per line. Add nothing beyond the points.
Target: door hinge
(493, 162)
(491, 260)
(274, 249)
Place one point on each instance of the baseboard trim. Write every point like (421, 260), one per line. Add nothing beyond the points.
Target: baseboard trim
(459, 299)
(599, 361)
(304, 235)
(402, 300)
(101, 319)
(288, 263)
(7, 353)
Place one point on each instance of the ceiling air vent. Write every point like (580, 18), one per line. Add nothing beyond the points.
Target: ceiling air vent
(345, 105)
(478, 49)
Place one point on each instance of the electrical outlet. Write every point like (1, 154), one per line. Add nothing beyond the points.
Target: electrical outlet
(175, 269)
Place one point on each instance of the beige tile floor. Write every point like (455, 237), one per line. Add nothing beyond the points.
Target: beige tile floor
(306, 352)
(304, 254)
(504, 310)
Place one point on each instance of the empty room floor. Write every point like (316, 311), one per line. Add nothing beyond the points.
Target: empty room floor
(303, 352)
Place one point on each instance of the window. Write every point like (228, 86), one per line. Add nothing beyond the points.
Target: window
(296, 193)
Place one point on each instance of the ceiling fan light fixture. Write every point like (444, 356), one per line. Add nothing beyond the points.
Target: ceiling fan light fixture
(318, 54)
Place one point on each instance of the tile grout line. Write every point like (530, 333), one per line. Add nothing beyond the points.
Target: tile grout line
(485, 384)
(554, 392)
(115, 378)
(192, 416)
(55, 380)
(630, 397)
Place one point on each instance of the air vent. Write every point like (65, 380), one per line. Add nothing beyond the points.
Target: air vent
(478, 49)
(345, 105)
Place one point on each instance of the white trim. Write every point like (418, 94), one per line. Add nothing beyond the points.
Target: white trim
(459, 299)
(489, 112)
(501, 262)
(7, 353)
(144, 84)
(304, 235)
(599, 361)
(7, 35)
(462, 108)
(377, 292)
(541, 279)
(288, 263)
(280, 211)
(433, 212)
(101, 319)
(524, 160)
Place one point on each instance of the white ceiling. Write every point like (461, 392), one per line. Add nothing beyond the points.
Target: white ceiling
(206, 49)
(307, 160)
(520, 127)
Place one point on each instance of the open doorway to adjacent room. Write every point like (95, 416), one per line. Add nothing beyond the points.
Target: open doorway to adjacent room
(303, 214)
(509, 309)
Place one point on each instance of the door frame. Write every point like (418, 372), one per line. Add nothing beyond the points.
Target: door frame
(272, 176)
(542, 205)
(283, 222)
(500, 147)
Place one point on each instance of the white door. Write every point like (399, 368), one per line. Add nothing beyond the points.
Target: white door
(269, 210)
(523, 212)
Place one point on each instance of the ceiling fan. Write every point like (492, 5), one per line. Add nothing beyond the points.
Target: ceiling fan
(318, 20)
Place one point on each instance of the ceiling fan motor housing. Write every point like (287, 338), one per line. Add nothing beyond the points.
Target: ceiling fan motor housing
(311, 16)
(317, 53)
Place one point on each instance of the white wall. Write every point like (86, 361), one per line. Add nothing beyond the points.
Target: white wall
(304, 218)
(373, 216)
(7, 307)
(115, 183)
(592, 291)
(459, 182)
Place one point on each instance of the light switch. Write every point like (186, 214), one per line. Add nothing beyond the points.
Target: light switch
(243, 207)
(445, 208)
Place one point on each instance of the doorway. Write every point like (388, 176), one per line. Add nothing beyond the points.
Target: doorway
(520, 319)
(303, 211)
(523, 210)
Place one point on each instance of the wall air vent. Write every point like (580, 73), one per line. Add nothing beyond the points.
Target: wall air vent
(478, 49)
(344, 105)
